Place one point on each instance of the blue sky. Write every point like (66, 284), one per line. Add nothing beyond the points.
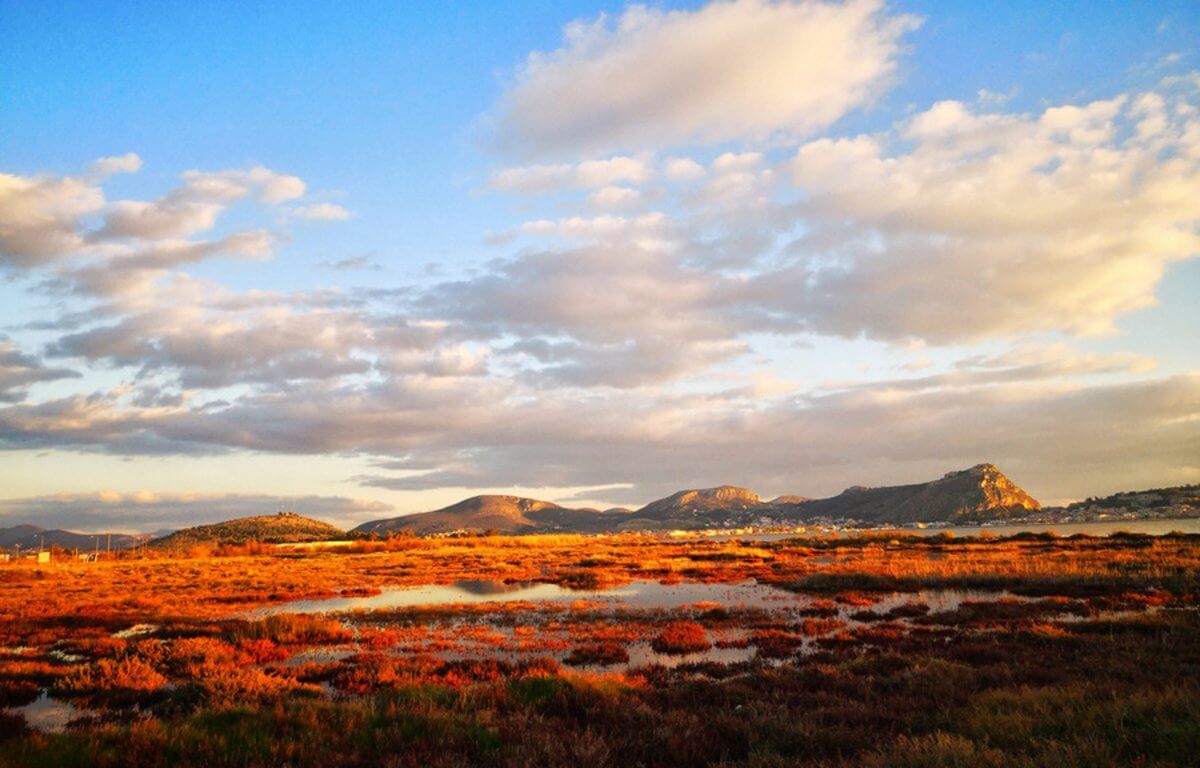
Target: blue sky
(396, 116)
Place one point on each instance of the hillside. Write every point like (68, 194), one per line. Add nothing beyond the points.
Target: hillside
(31, 537)
(502, 514)
(1177, 501)
(272, 529)
(978, 494)
(696, 508)
(789, 499)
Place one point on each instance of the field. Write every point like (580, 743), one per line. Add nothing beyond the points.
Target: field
(610, 651)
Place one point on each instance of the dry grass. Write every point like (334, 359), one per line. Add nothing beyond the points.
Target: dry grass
(1098, 668)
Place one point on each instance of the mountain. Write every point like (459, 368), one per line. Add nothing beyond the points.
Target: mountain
(502, 514)
(30, 537)
(271, 529)
(970, 495)
(978, 494)
(698, 508)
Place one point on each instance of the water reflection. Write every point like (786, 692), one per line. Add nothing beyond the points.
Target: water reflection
(642, 655)
(635, 595)
(46, 714)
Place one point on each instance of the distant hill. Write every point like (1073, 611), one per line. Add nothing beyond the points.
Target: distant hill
(789, 499)
(271, 529)
(31, 536)
(696, 508)
(978, 494)
(502, 514)
(1177, 501)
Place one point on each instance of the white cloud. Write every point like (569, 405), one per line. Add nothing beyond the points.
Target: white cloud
(40, 217)
(542, 179)
(270, 186)
(648, 227)
(729, 71)
(202, 340)
(128, 277)
(1061, 221)
(108, 166)
(682, 169)
(159, 219)
(321, 212)
(614, 198)
(193, 207)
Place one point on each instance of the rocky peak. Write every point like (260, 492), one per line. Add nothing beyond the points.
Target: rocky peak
(724, 494)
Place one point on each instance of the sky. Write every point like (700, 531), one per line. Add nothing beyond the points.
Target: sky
(365, 260)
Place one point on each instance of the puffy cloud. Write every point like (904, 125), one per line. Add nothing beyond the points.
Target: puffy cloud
(146, 512)
(1061, 221)
(207, 345)
(108, 166)
(682, 169)
(729, 71)
(267, 185)
(40, 217)
(607, 228)
(541, 179)
(45, 218)
(620, 310)
(194, 206)
(614, 198)
(160, 219)
(128, 277)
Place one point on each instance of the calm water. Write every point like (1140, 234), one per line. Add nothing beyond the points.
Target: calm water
(635, 595)
(1104, 528)
(638, 594)
(46, 714)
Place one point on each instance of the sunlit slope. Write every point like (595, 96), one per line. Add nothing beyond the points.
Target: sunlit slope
(502, 514)
(280, 528)
(977, 494)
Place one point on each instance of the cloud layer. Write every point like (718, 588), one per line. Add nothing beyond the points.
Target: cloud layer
(691, 290)
(1064, 220)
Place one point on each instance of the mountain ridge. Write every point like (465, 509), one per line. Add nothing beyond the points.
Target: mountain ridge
(979, 494)
(492, 512)
(976, 494)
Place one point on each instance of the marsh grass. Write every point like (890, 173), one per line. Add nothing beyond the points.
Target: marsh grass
(1100, 668)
